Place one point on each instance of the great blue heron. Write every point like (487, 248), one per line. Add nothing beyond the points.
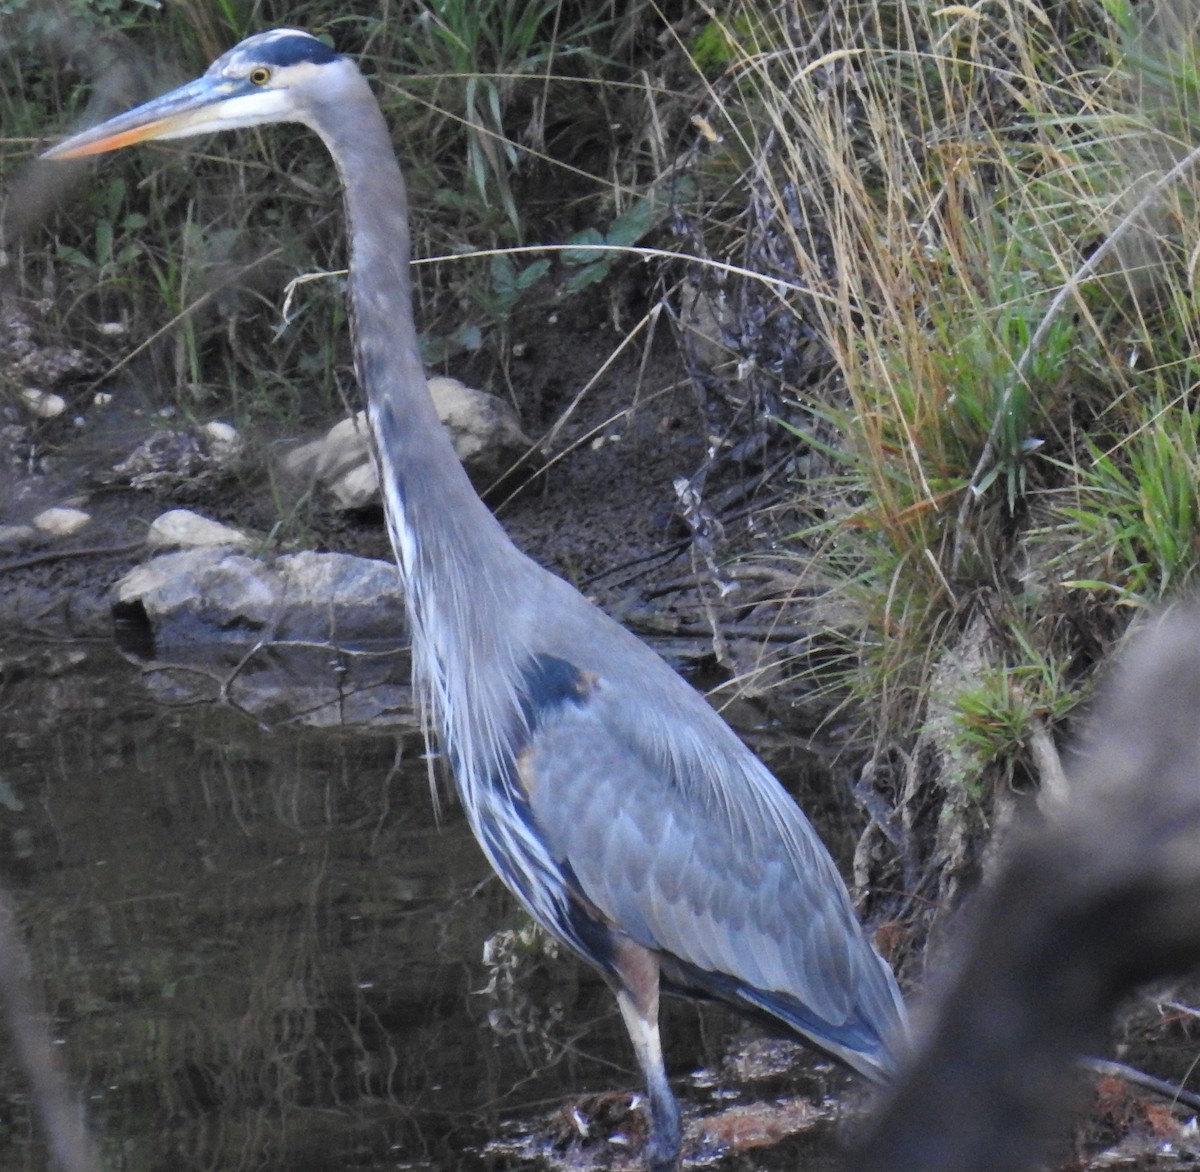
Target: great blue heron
(612, 800)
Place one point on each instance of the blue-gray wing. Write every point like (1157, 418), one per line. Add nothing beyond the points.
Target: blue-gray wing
(685, 842)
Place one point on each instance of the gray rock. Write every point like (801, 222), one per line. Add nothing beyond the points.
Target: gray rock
(342, 462)
(15, 536)
(183, 528)
(201, 593)
(216, 594)
(485, 431)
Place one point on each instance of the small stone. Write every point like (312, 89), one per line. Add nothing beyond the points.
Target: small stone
(44, 404)
(358, 488)
(61, 522)
(224, 443)
(15, 536)
(342, 462)
(182, 527)
(484, 428)
(102, 398)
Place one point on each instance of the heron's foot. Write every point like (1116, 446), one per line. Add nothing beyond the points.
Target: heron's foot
(666, 1132)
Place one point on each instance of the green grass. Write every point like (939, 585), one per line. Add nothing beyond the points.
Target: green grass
(192, 247)
(960, 166)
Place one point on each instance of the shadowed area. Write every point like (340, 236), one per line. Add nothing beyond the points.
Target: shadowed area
(263, 948)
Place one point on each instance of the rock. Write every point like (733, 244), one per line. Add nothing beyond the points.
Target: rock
(486, 432)
(181, 458)
(15, 536)
(484, 429)
(357, 488)
(166, 460)
(224, 443)
(183, 593)
(350, 598)
(342, 462)
(61, 522)
(200, 595)
(44, 404)
(311, 638)
(30, 361)
(182, 527)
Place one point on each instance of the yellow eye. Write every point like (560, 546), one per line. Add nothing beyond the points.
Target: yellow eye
(260, 75)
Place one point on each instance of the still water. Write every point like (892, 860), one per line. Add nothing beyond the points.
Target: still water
(262, 947)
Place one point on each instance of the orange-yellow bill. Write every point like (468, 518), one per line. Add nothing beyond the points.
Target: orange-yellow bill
(198, 106)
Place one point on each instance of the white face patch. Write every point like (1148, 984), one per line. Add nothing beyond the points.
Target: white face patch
(294, 76)
(252, 109)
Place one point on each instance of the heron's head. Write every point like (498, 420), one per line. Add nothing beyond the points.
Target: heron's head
(277, 76)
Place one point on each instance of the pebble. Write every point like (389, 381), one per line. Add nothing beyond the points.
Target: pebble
(61, 522)
(224, 443)
(182, 527)
(44, 404)
(14, 536)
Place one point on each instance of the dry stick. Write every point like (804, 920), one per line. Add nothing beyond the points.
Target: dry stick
(58, 555)
(1173, 1092)
(1071, 288)
(60, 1112)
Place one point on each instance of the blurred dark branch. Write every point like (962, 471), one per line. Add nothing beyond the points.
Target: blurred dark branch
(1100, 899)
(116, 76)
(60, 1112)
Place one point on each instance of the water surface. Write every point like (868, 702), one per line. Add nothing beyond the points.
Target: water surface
(261, 948)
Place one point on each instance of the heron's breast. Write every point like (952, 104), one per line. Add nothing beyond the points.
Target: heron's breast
(552, 688)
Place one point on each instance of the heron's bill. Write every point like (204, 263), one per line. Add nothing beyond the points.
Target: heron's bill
(74, 148)
(205, 104)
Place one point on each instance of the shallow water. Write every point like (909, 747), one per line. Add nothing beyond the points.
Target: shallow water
(260, 949)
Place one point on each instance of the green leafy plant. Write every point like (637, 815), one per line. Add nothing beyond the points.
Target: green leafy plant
(592, 253)
(483, 49)
(994, 720)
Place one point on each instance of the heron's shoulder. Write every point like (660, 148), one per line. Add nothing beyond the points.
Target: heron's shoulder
(633, 720)
(593, 681)
(550, 681)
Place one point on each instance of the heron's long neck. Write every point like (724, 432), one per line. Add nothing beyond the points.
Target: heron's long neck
(456, 560)
(428, 497)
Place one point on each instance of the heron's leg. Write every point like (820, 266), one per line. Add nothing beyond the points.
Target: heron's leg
(636, 986)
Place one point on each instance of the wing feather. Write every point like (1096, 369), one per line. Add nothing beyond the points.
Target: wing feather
(687, 843)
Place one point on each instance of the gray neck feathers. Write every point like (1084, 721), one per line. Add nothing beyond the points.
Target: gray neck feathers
(462, 574)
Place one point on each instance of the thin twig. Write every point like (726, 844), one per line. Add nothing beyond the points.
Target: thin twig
(57, 555)
(1148, 1082)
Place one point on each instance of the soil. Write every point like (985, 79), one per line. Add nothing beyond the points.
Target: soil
(604, 503)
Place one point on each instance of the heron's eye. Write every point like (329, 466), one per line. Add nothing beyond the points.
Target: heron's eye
(260, 75)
